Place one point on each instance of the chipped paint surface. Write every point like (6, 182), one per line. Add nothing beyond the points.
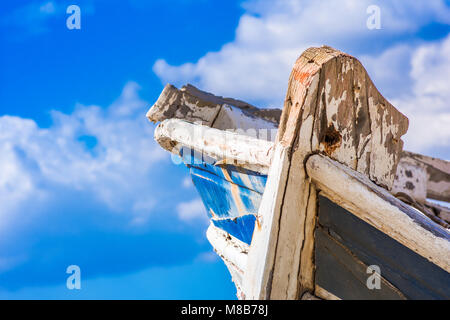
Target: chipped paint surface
(173, 103)
(233, 253)
(240, 228)
(240, 121)
(242, 177)
(355, 124)
(438, 174)
(411, 179)
(326, 111)
(226, 147)
(231, 195)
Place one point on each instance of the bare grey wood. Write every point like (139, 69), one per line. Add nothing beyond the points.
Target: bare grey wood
(356, 193)
(348, 241)
(343, 274)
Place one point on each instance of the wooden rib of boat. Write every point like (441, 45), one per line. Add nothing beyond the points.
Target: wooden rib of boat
(318, 200)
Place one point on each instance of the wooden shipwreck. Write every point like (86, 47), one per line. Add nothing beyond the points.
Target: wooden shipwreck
(318, 200)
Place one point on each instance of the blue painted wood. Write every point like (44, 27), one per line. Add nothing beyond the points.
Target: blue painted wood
(241, 228)
(224, 199)
(231, 195)
(412, 274)
(245, 178)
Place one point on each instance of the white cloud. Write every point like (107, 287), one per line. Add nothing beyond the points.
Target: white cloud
(428, 107)
(207, 257)
(48, 8)
(187, 183)
(271, 34)
(33, 17)
(116, 167)
(390, 69)
(7, 263)
(193, 210)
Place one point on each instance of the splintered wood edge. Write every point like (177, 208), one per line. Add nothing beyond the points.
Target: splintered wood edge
(324, 294)
(233, 253)
(228, 248)
(353, 123)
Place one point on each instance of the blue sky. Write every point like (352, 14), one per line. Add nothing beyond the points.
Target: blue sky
(81, 179)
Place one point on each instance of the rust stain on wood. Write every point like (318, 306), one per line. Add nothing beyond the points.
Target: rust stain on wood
(331, 140)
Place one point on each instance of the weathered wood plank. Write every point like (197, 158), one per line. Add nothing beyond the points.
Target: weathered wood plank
(320, 109)
(356, 193)
(258, 275)
(181, 104)
(224, 199)
(411, 180)
(343, 238)
(355, 125)
(230, 147)
(307, 266)
(291, 235)
(341, 273)
(193, 105)
(237, 120)
(233, 253)
(242, 177)
(324, 294)
(388, 125)
(438, 183)
(295, 134)
(230, 249)
(241, 227)
(230, 195)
